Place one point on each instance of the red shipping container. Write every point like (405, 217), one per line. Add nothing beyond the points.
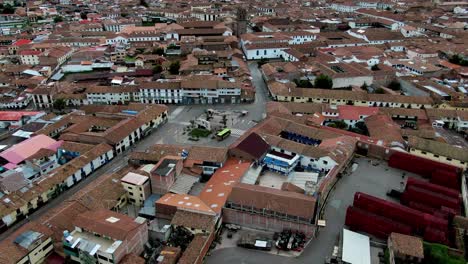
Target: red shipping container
(432, 199)
(440, 214)
(447, 179)
(419, 165)
(394, 211)
(360, 220)
(434, 222)
(433, 187)
(435, 236)
(420, 207)
(449, 211)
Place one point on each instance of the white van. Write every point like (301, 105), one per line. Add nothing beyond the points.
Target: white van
(438, 123)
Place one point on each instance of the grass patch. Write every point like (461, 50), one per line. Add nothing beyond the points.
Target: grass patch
(439, 254)
(199, 132)
(130, 59)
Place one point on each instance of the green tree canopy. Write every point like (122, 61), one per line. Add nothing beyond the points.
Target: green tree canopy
(59, 104)
(323, 81)
(158, 51)
(157, 69)
(58, 19)
(174, 67)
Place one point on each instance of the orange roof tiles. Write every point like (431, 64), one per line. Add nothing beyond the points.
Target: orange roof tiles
(218, 188)
(185, 201)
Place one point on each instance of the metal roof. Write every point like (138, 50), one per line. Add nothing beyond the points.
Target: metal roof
(356, 248)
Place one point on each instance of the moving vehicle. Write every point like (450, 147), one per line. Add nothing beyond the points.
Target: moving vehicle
(223, 134)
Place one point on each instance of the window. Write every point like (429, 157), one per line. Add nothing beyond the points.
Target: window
(449, 159)
(423, 152)
(325, 162)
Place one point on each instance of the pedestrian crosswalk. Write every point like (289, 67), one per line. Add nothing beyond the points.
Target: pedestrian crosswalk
(237, 132)
(179, 123)
(176, 112)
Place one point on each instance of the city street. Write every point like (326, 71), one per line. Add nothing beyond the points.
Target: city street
(170, 133)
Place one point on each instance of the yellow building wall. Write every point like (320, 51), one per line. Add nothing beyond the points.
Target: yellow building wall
(137, 192)
(38, 254)
(442, 159)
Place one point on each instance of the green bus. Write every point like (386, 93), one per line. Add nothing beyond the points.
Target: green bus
(221, 135)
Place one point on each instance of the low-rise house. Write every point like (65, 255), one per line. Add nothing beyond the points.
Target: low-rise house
(31, 243)
(19, 204)
(120, 126)
(16, 119)
(105, 236)
(404, 248)
(137, 186)
(438, 151)
(288, 92)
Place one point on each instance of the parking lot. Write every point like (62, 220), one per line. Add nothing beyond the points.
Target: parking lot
(372, 176)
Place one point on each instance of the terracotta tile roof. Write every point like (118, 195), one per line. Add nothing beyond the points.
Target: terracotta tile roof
(254, 145)
(189, 219)
(350, 112)
(382, 127)
(197, 153)
(194, 250)
(132, 259)
(407, 245)
(76, 147)
(109, 223)
(185, 202)
(218, 188)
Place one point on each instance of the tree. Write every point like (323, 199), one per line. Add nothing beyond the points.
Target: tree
(458, 59)
(84, 16)
(388, 8)
(58, 19)
(59, 104)
(143, 3)
(303, 83)
(375, 67)
(364, 86)
(323, 81)
(8, 9)
(174, 67)
(224, 120)
(395, 85)
(379, 91)
(157, 69)
(338, 124)
(158, 51)
(124, 15)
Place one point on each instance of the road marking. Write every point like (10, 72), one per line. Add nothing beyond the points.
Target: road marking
(176, 112)
(237, 132)
(180, 123)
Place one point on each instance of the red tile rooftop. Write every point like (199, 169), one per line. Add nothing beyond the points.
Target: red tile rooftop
(218, 188)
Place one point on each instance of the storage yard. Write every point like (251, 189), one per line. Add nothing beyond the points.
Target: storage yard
(427, 208)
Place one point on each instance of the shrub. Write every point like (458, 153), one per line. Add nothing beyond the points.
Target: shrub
(323, 81)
